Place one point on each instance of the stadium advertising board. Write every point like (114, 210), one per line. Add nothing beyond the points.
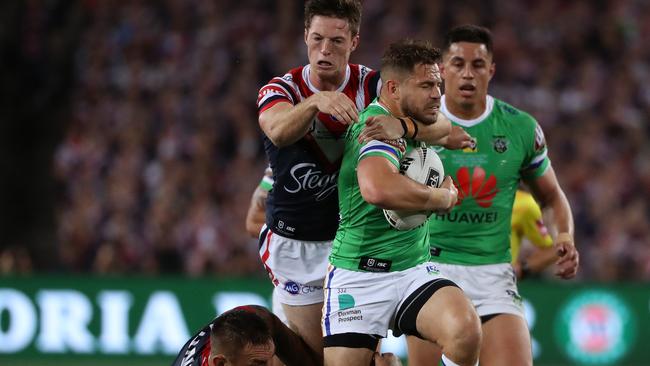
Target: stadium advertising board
(145, 319)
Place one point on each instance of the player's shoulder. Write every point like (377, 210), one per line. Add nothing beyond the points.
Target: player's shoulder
(195, 349)
(295, 74)
(373, 109)
(514, 114)
(285, 87)
(292, 77)
(355, 129)
(366, 75)
(361, 69)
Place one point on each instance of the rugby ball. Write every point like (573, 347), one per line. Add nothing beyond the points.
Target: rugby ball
(423, 165)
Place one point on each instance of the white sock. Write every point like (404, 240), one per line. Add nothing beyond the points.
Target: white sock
(447, 362)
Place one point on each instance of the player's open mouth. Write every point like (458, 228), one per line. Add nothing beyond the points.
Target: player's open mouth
(467, 89)
(324, 64)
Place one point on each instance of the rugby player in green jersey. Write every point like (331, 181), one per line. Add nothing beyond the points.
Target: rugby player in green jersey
(471, 244)
(380, 278)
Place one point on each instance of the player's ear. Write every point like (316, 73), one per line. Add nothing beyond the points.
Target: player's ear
(493, 68)
(441, 66)
(392, 87)
(355, 43)
(217, 360)
(306, 34)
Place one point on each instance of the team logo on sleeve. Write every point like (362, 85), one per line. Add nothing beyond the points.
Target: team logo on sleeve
(500, 144)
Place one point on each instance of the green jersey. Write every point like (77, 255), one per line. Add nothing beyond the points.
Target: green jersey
(509, 146)
(364, 239)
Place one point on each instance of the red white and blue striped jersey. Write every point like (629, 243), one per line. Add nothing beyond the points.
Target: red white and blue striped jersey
(303, 203)
(196, 351)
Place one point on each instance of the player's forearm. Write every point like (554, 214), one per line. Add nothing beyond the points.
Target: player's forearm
(555, 200)
(434, 134)
(410, 198)
(254, 223)
(256, 214)
(563, 218)
(284, 124)
(393, 191)
(548, 192)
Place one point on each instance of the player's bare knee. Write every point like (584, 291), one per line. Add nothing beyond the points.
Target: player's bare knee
(467, 339)
(461, 338)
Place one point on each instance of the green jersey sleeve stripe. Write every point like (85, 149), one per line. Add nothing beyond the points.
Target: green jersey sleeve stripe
(380, 145)
(378, 148)
(382, 154)
(537, 160)
(538, 171)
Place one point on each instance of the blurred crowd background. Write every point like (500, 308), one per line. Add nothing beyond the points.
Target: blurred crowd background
(130, 137)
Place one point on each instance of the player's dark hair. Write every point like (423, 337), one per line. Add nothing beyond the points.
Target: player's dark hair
(469, 33)
(402, 56)
(350, 10)
(234, 329)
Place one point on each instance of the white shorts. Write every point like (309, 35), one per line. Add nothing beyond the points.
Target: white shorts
(296, 268)
(492, 288)
(368, 302)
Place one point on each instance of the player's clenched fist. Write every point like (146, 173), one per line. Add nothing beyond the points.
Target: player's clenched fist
(453, 192)
(338, 105)
(459, 139)
(569, 256)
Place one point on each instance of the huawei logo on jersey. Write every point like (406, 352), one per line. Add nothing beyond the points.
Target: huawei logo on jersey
(476, 186)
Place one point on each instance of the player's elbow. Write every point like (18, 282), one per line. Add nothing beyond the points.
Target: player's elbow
(278, 139)
(273, 130)
(275, 137)
(252, 228)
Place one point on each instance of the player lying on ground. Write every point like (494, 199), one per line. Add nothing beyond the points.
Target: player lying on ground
(246, 335)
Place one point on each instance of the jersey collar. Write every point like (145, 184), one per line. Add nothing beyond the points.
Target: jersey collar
(489, 105)
(377, 104)
(305, 77)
